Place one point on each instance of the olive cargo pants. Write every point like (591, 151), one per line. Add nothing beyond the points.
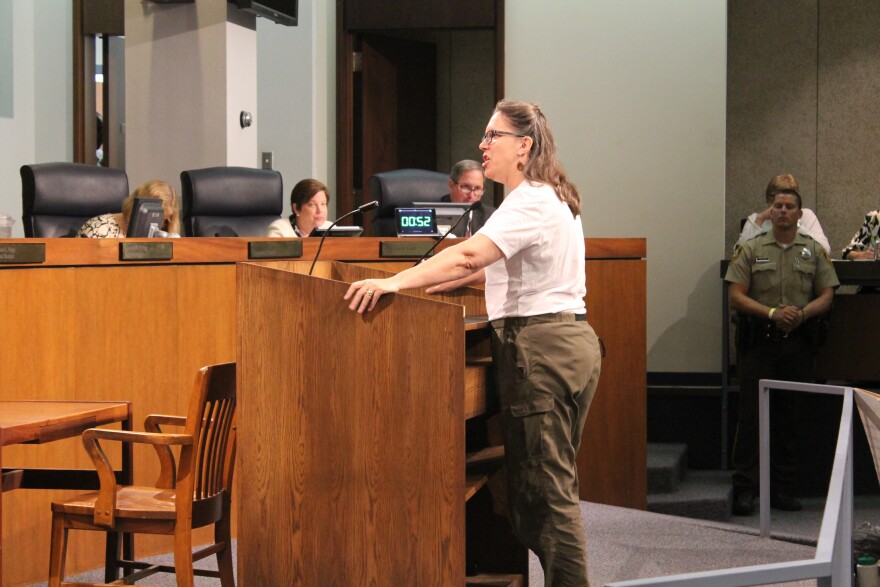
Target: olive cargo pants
(547, 369)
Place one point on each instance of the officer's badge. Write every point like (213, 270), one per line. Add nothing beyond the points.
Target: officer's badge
(806, 254)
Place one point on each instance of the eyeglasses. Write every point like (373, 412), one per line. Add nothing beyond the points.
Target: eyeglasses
(491, 135)
(470, 188)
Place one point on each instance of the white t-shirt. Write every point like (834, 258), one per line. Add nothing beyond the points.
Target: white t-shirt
(808, 224)
(543, 269)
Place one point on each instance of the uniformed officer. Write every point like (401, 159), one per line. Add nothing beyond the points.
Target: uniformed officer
(781, 282)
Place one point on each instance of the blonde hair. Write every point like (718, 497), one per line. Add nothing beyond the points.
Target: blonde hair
(785, 183)
(154, 189)
(543, 164)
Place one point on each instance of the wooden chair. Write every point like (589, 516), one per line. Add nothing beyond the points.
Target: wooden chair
(191, 493)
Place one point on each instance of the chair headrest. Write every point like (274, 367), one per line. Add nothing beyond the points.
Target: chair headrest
(231, 191)
(72, 189)
(402, 187)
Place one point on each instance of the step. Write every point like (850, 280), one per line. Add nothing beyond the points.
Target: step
(666, 466)
(704, 495)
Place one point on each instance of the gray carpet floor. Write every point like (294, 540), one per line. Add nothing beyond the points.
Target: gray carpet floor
(627, 544)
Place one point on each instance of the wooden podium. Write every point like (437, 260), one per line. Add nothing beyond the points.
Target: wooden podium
(354, 434)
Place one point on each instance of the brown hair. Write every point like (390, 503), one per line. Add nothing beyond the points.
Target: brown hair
(464, 165)
(785, 183)
(154, 189)
(543, 164)
(304, 191)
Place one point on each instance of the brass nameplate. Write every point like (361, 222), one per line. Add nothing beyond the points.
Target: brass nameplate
(278, 249)
(403, 248)
(158, 251)
(23, 253)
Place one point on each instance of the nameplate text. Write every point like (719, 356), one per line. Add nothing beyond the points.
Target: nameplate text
(277, 249)
(23, 253)
(158, 251)
(403, 248)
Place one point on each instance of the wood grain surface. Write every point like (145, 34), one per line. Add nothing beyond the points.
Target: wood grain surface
(84, 325)
(352, 436)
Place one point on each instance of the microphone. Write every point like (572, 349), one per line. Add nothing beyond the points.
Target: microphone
(472, 206)
(362, 208)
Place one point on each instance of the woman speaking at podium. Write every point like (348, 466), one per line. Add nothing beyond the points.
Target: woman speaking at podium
(546, 355)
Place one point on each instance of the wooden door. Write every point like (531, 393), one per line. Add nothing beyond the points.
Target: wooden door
(376, 66)
(398, 115)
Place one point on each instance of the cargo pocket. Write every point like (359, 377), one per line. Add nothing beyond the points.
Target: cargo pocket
(529, 416)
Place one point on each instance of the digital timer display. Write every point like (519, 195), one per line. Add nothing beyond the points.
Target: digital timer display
(416, 221)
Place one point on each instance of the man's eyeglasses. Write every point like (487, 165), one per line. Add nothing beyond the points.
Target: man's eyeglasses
(491, 135)
(470, 188)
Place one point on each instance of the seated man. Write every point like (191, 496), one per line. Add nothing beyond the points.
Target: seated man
(864, 242)
(466, 186)
(759, 223)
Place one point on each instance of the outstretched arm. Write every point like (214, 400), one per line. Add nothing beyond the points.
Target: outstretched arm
(472, 279)
(453, 264)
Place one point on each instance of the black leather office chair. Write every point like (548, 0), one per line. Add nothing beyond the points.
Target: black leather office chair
(57, 198)
(230, 201)
(399, 189)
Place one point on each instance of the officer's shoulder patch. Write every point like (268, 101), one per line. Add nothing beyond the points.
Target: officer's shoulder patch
(737, 251)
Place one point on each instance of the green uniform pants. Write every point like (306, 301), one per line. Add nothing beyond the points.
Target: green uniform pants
(547, 369)
(790, 359)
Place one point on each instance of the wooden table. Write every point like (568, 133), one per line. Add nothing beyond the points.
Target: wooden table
(37, 422)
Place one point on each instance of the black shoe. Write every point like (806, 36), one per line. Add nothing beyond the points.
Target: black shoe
(744, 503)
(784, 502)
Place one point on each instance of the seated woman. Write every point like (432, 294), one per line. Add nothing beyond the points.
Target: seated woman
(115, 225)
(308, 201)
(862, 244)
(759, 223)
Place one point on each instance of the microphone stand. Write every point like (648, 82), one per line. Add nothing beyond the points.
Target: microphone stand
(361, 208)
(445, 234)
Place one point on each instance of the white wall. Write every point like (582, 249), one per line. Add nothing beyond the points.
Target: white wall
(40, 128)
(184, 90)
(635, 94)
(296, 70)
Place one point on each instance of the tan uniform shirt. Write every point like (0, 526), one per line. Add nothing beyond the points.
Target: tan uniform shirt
(778, 276)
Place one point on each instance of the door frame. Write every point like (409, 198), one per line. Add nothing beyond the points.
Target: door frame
(346, 36)
(91, 18)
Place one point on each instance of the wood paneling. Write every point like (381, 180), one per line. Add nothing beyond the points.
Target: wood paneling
(472, 299)
(847, 355)
(612, 462)
(136, 333)
(103, 17)
(405, 14)
(84, 325)
(34, 367)
(356, 451)
(37, 302)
